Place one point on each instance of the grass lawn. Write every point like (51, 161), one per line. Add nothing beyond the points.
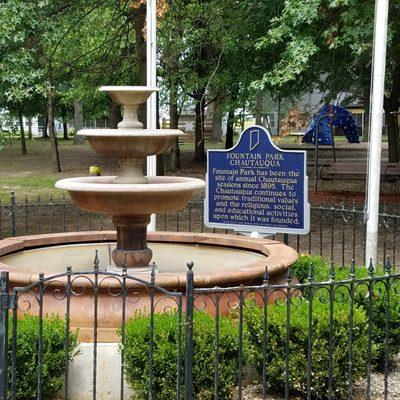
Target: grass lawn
(33, 174)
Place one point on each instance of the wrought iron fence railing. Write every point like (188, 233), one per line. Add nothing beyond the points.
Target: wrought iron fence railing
(337, 232)
(333, 333)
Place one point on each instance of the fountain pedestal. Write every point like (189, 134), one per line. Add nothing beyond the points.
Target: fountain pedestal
(132, 241)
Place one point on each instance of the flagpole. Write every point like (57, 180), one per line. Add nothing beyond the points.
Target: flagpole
(375, 137)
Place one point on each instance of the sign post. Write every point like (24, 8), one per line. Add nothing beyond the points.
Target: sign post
(256, 187)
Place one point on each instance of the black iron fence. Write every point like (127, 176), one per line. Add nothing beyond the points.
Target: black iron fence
(332, 333)
(337, 232)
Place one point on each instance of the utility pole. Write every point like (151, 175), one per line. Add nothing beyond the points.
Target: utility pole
(151, 69)
(375, 139)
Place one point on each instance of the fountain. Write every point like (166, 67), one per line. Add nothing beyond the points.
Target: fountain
(131, 197)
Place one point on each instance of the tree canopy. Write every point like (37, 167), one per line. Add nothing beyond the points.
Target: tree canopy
(55, 54)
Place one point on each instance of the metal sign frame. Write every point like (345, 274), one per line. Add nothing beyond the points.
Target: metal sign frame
(263, 230)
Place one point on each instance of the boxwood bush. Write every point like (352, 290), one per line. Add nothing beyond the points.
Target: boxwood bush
(166, 354)
(321, 271)
(298, 345)
(166, 344)
(53, 356)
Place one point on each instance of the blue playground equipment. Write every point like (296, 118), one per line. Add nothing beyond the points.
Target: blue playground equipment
(328, 116)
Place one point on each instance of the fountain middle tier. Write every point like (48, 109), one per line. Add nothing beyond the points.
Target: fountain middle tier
(130, 143)
(101, 194)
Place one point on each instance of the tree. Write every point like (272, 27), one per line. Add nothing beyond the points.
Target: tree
(209, 55)
(51, 50)
(171, 49)
(29, 47)
(328, 45)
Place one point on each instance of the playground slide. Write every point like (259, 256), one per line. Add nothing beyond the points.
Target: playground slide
(341, 118)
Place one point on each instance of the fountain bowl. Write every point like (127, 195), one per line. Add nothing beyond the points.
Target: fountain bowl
(130, 143)
(219, 260)
(101, 194)
(129, 95)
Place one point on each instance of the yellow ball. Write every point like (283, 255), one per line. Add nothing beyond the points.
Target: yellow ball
(95, 170)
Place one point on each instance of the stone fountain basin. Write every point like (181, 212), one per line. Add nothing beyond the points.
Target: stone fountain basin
(159, 195)
(123, 94)
(219, 260)
(130, 143)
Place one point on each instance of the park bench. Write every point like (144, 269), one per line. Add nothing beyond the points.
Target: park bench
(357, 170)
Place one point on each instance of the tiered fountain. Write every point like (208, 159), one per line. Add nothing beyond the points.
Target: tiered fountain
(130, 197)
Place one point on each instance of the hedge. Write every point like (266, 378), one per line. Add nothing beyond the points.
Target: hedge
(166, 354)
(53, 356)
(298, 347)
(378, 312)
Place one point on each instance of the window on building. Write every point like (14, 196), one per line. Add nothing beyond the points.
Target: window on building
(359, 119)
(272, 119)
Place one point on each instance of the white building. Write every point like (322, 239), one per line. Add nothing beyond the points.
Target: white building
(37, 126)
(34, 124)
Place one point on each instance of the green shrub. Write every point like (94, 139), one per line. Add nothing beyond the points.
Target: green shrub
(53, 356)
(321, 272)
(378, 318)
(300, 269)
(166, 354)
(321, 269)
(298, 345)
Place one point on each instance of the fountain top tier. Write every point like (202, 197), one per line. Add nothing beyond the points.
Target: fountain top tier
(129, 95)
(130, 143)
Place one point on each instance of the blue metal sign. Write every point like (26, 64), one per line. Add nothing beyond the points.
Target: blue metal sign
(257, 187)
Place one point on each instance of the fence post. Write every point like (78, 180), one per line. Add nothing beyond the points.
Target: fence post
(4, 286)
(286, 239)
(189, 332)
(13, 211)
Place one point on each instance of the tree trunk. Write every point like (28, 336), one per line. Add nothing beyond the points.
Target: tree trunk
(243, 117)
(173, 124)
(217, 122)
(391, 105)
(30, 128)
(199, 154)
(391, 111)
(278, 120)
(259, 106)
(114, 115)
(22, 131)
(78, 121)
(52, 134)
(230, 130)
(64, 122)
(366, 101)
(46, 123)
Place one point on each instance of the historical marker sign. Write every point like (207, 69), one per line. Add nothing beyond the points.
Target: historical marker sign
(256, 186)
